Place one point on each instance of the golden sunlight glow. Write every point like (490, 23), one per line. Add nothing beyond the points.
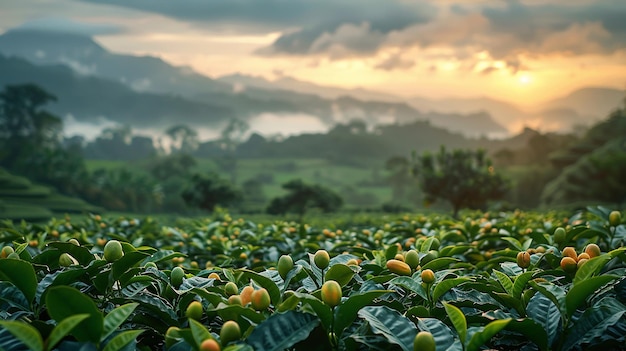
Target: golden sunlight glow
(524, 79)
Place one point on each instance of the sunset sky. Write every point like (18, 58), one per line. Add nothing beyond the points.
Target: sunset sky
(520, 51)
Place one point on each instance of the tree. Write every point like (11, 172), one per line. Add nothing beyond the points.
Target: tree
(465, 178)
(208, 191)
(182, 138)
(302, 197)
(24, 126)
(400, 179)
(171, 166)
(597, 176)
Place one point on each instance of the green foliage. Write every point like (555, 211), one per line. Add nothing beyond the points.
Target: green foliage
(301, 197)
(466, 179)
(479, 297)
(209, 191)
(597, 176)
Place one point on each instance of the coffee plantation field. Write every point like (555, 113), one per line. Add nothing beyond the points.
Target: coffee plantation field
(502, 281)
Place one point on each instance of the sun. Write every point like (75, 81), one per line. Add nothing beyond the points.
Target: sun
(524, 79)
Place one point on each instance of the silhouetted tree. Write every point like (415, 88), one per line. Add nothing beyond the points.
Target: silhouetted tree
(302, 197)
(400, 177)
(24, 126)
(466, 179)
(208, 191)
(182, 138)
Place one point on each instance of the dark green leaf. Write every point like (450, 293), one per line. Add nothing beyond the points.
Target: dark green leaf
(340, 273)
(122, 339)
(115, 318)
(21, 274)
(126, 262)
(440, 263)
(388, 322)
(443, 286)
(199, 332)
(520, 283)
(347, 311)
(64, 328)
(458, 320)
(599, 323)
(485, 334)
(444, 338)
(65, 301)
(580, 292)
(590, 268)
(25, 333)
(505, 281)
(282, 330)
(545, 313)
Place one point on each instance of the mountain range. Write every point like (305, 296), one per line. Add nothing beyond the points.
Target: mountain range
(146, 92)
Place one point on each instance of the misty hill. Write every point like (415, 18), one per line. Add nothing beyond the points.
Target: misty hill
(581, 107)
(243, 81)
(88, 98)
(85, 56)
(594, 102)
(144, 77)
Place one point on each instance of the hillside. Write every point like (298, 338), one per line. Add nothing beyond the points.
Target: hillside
(88, 98)
(21, 199)
(191, 98)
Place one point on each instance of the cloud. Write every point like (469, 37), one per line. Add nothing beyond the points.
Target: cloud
(506, 30)
(394, 62)
(66, 25)
(281, 14)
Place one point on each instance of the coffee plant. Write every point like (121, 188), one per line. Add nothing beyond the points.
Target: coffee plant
(506, 281)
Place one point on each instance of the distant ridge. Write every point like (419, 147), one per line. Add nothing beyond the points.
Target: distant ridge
(145, 89)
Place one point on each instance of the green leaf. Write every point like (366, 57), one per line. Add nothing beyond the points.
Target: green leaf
(115, 318)
(481, 337)
(199, 332)
(426, 245)
(505, 281)
(125, 263)
(514, 243)
(340, 273)
(443, 286)
(556, 294)
(520, 284)
(545, 313)
(458, 320)
(282, 330)
(10, 294)
(21, 274)
(61, 277)
(347, 311)
(323, 312)
(25, 333)
(580, 292)
(590, 268)
(412, 284)
(239, 347)
(599, 323)
(228, 312)
(526, 326)
(80, 253)
(122, 339)
(440, 263)
(63, 328)
(444, 338)
(391, 324)
(65, 301)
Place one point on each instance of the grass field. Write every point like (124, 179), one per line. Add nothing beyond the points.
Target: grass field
(280, 170)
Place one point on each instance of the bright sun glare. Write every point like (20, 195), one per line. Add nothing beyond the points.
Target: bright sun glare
(524, 79)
